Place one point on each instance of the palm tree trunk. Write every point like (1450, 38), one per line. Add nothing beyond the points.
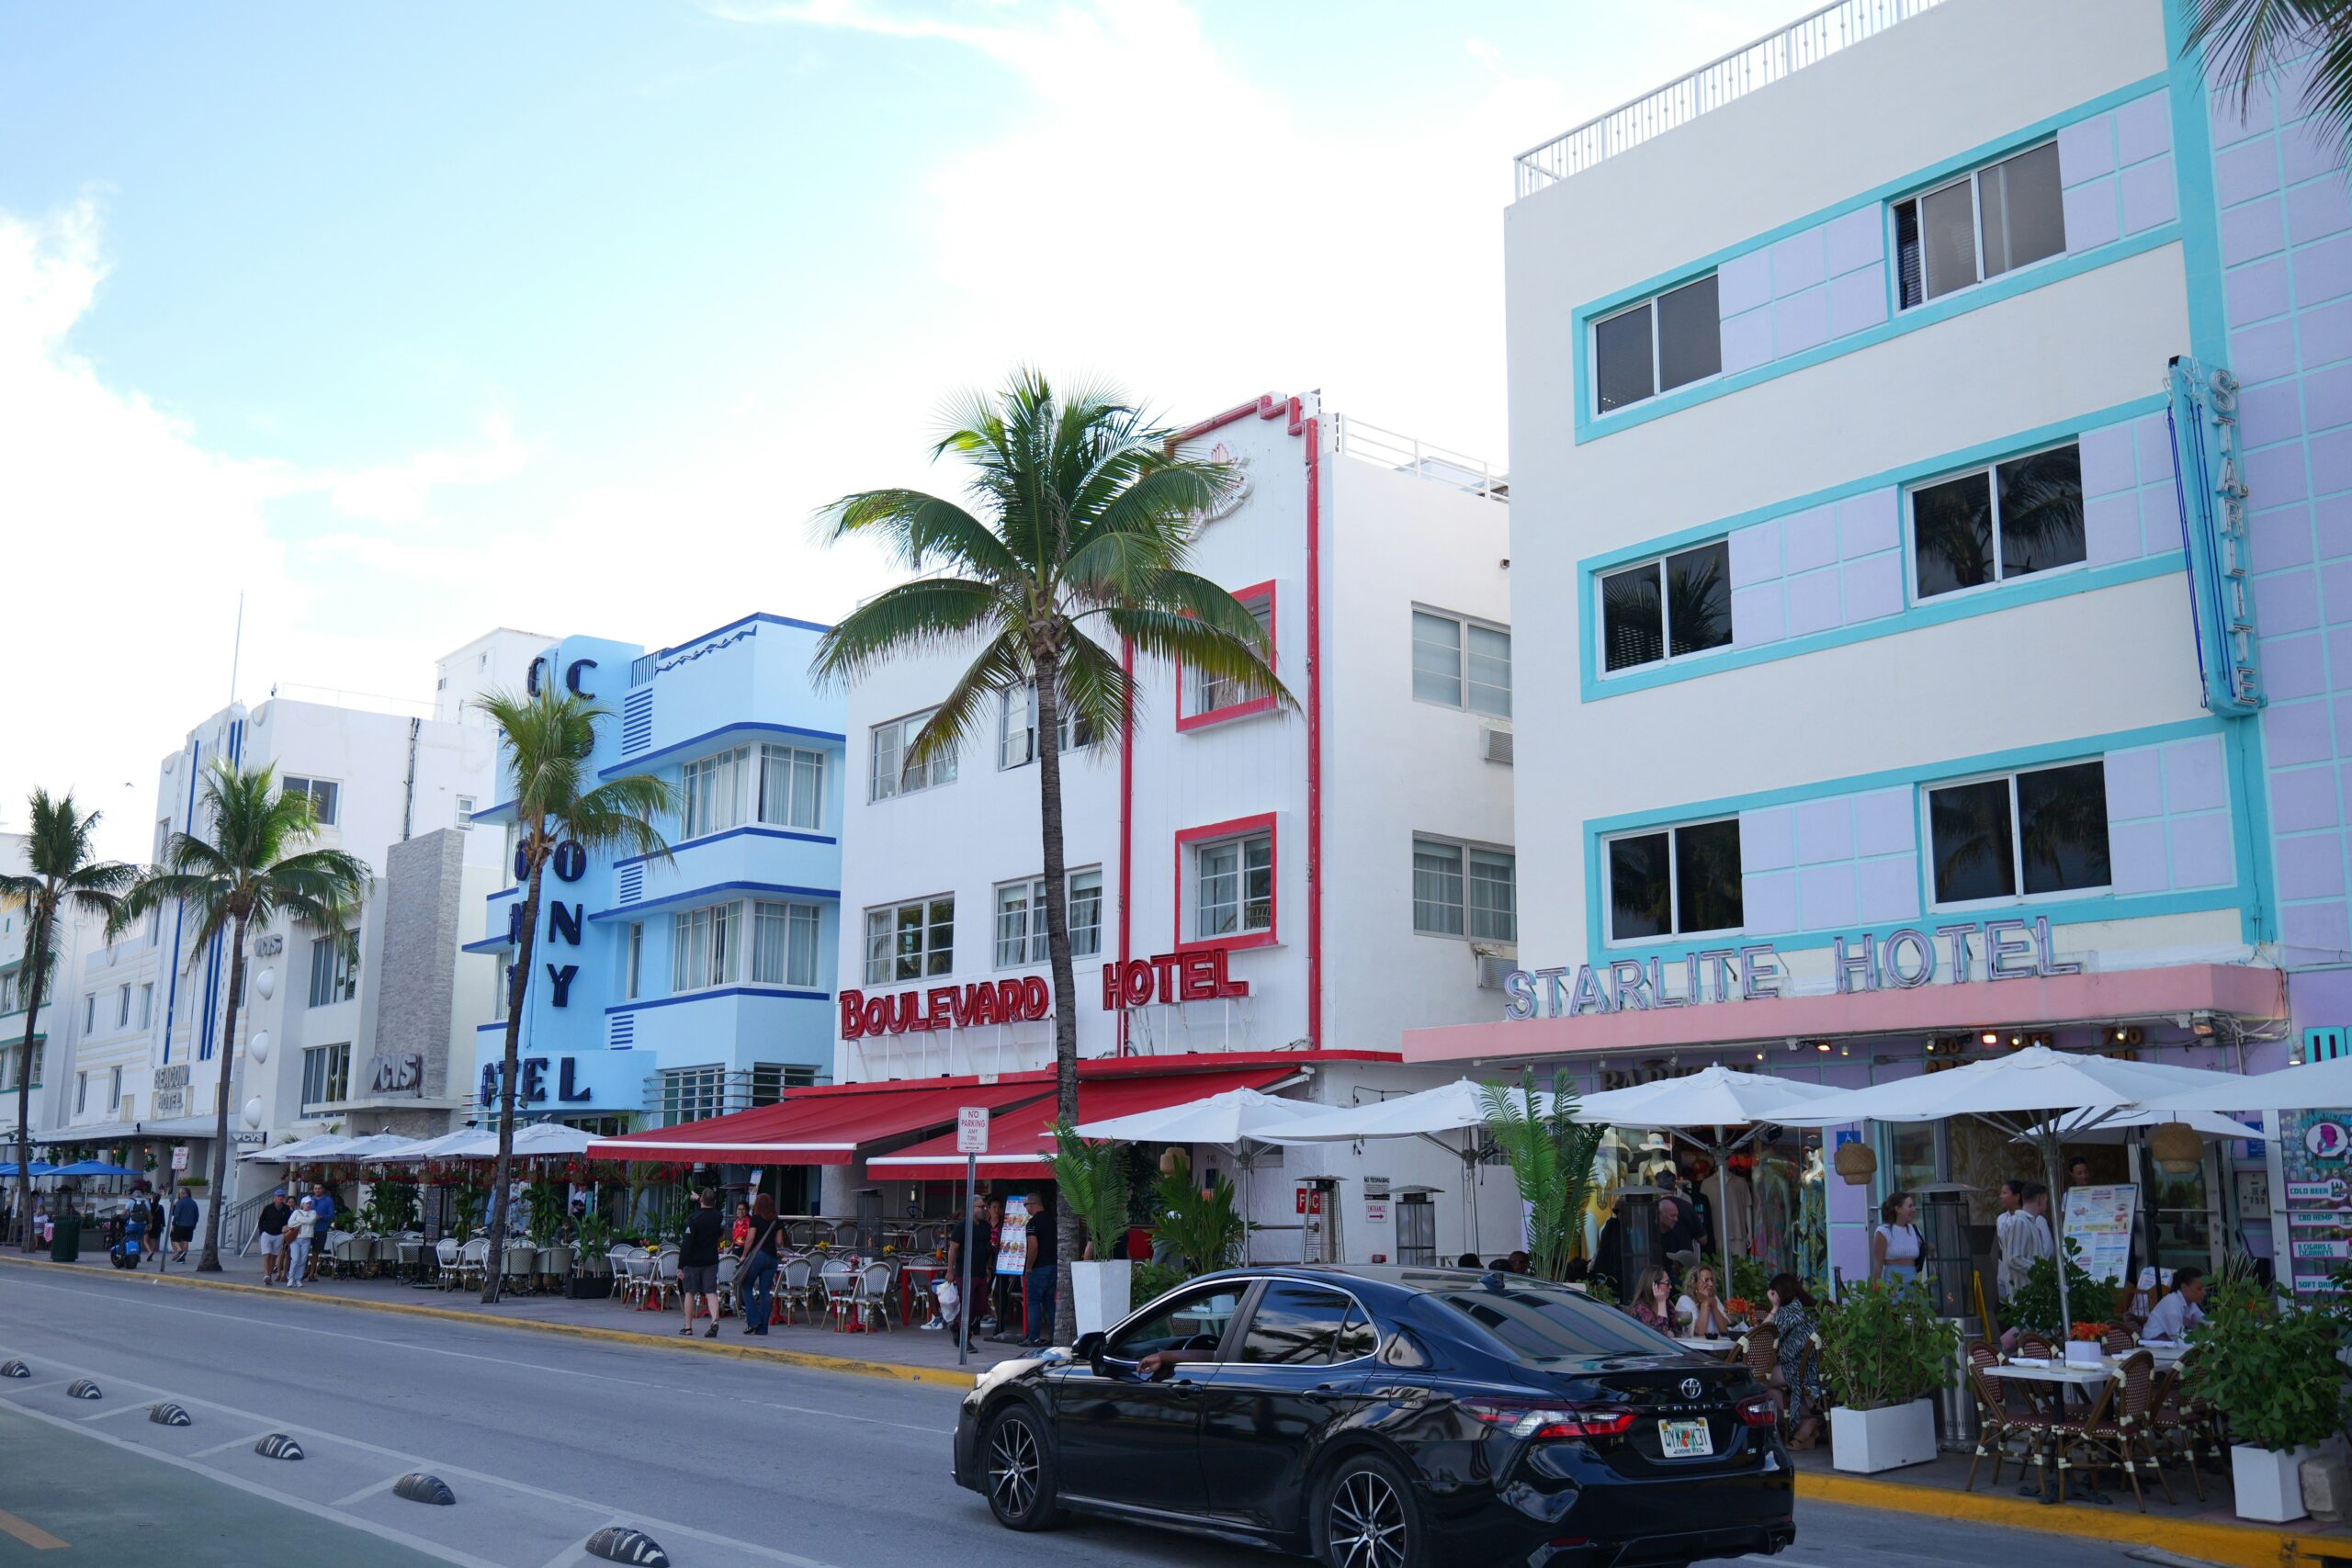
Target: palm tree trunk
(1049, 816)
(36, 962)
(210, 1263)
(518, 986)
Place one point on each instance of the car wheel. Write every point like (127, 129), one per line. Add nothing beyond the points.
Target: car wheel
(1020, 1468)
(1367, 1518)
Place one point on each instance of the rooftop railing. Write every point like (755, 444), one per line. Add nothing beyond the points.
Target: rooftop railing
(1805, 41)
(1409, 454)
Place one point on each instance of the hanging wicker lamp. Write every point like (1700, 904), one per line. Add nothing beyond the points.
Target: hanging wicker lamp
(1857, 1162)
(2176, 1147)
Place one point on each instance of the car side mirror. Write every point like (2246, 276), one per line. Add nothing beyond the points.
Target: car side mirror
(1088, 1348)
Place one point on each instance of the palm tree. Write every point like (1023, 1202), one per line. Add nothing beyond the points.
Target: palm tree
(2244, 37)
(549, 739)
(1083, 519)
(62, 872)
(257, 865)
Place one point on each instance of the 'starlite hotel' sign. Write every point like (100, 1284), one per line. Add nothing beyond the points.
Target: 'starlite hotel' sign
(1903, 960)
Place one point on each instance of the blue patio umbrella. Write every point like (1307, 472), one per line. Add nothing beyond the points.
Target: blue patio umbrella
(40, 1169)
(92, 1167)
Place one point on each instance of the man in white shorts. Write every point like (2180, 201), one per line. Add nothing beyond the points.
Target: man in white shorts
(273, 1215)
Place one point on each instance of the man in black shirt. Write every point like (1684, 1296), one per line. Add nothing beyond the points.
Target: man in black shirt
(699, 1260)
(969, 1263)
(1037, 1300)
(273, 1237)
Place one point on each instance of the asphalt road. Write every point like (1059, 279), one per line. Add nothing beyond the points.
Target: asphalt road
(544, 1440)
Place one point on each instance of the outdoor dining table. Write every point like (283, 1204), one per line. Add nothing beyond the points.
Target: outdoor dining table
(1706, 1346)
(2055, 1378)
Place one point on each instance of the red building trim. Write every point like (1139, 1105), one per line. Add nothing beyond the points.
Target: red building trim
(1313, 432)
(1234, 827)
(1268, 591)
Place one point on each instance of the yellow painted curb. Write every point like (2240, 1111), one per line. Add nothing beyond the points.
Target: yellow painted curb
(2240, 1546)
(942, 1377)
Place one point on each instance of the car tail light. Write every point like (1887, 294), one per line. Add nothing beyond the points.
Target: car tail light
(1759, 1411)
(1532, 1420)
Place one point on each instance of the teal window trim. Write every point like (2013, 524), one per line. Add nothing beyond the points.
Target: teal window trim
(1592, 426)
(2239, 896)
(1595, 686)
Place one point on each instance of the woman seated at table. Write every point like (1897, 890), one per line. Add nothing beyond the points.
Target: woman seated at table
(1654, 1300)
(1797, 1378)
(1702, 1311)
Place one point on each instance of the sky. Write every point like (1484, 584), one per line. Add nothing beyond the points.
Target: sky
(406, 322)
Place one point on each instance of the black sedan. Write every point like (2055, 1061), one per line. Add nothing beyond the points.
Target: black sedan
(1388, 1417)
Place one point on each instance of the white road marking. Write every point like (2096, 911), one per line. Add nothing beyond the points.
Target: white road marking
(110, 1414)
(367, 1491)
(657, 1528)
(577, 1551)
(248, 1440)
(844, 1415)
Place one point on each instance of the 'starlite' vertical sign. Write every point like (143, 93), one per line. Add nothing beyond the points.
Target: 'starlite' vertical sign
(2212, 493)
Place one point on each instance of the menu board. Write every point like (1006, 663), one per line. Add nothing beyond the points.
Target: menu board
(2098, 1219)
(1012, 1241)
(2313, 1150)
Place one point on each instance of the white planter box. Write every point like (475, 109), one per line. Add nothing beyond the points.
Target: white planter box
(1100, 1293)
(2269, 1484)
(1865, 1441)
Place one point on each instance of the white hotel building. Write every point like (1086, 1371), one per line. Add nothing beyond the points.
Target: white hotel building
(1925, 432)
(1283, 891)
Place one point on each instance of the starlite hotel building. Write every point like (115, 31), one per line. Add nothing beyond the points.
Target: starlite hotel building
(1932, 455)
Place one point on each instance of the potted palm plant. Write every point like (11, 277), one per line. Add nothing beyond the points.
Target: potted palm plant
(2273, 1370)
(1092, 1180)
(1199, 1222)
(1883, 1354)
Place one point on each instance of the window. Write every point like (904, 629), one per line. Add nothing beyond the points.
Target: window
(334, 974)
(1988, 222)
(1462, 890)
(2035, 833)
(1677, 882)
(1296, 1325)
(792, 787)
(1205, 695)
(8, 1002)
(466, 811)
(633, 966)
(1235, 887)
(1532, 1322)
(692, 1094)
(146, 1005)
(909, 942)
(122, 1007)
(1665, 608)
(784, 944)
(1461, 662)
(326, 1074)
(892, 776)
(1993, 524)
(716, 790)
(1017, 728)
(325, 796)
(90, 1013)
(1197, 1319)
(703, 944)
(770, 1079)
(114, 1090)
(163, 837)
(81, 1093)
(501, 994)
(1659, 344)
(1021, 919)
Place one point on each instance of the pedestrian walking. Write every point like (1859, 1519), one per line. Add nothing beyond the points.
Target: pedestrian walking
(273, 1215)
(184, 1217)
(322, 1208)
(969, 1263)
(299, 1225)
(755, 1277)
(699, 1260)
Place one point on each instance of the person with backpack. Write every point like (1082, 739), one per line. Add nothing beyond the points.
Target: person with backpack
(184, 1217)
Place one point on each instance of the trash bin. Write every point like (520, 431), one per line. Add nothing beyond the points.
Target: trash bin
(1955, 1406)
(65, 1240)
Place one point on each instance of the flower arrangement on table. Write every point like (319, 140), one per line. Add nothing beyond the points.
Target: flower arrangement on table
(2091, 1333)
(1741, 1309)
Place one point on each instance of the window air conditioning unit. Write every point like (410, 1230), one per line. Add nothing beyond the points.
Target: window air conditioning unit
(1492, 967)
(1494, 744)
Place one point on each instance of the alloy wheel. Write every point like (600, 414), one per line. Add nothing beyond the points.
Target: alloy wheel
(1367, 1525)
(1012, 1468)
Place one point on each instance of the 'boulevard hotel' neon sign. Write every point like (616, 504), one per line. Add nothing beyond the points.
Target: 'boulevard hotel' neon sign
(1902, 961)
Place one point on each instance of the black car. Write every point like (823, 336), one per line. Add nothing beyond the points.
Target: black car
(1388, 1417)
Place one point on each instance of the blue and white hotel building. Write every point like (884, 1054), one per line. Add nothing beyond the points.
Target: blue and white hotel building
(671, 990)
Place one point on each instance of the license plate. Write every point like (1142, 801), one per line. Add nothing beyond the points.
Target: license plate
(1685, 1440)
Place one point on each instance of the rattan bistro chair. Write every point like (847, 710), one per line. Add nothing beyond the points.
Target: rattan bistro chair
(796, 1294)
(1998, 1423)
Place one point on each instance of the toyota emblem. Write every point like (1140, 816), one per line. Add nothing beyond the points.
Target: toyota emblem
(1692, 1388)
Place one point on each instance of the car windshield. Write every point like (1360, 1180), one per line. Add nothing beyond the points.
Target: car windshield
(1536, 1323)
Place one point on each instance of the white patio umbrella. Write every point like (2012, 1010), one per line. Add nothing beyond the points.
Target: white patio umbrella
(442, 1147)
(317, 1146)
(540, 1140)
(1717, 1099)
(375, 1146)
(2020, 1093)
(2314, 1085)
(1230, 1121)
(1430, 1113)
(2099, 1127)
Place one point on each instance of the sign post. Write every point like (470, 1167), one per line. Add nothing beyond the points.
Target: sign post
(971, 1142)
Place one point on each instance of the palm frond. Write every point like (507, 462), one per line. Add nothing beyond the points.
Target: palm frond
(1095, 688)
(921, 530)
(912, 618)
(1201, 649)
(965, 714)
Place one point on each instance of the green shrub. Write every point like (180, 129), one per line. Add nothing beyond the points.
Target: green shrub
(2270, 1367)
(1152, 1280)
(2035, 1303)
(1883, 1344)
(1202, 1223)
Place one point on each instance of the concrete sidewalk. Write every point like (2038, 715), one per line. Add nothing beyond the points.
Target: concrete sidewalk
(912, 1352)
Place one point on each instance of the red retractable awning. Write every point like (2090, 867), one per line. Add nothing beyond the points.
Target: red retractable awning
(1020, 1138)
(822, 1126)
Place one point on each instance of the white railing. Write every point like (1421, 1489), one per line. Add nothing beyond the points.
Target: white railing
(1805, 41)
(364, 701)
(1409, 454)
